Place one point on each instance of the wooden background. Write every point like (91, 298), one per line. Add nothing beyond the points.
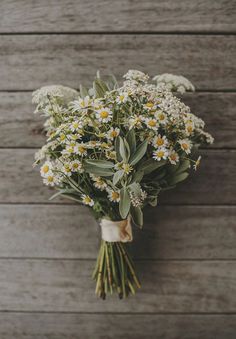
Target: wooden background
(186, 254)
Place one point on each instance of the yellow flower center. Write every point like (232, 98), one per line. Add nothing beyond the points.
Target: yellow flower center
(173, 156)
(115, 195)
(160, 141)
(122, 97)
(113, 134)
(185, 146)
(62, 137)
(75, 124)
(152, 123)
(189, 129)
(82, 149)
(104, 114)
(149, 104)
(50, 178)
(75, 165)
(45, 168)
(161, 116)
(87, 200)
(160, 154)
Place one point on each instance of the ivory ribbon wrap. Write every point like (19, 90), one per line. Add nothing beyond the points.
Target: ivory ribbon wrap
(113, 231)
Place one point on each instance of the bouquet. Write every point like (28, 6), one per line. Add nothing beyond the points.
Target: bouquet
(115, 148)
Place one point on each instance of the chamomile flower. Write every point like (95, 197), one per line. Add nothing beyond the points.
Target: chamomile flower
(81, 103)
(67, 169)
(86, 200)
(114, 196)
(113, 133)
(185, 145)
(104, 114)
(135, 121)
(127, 168)
(46, 169)
(122, 98)
(189, 127)
(173, 157)
(100, 183)
(76, 166)
(160, 154)
(80, 149)
(151, 123)
(160, 141)
(51, 180)
(75, 126)
(149, 106)
(161, 117)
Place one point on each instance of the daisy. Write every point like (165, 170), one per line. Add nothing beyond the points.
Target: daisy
(160, 141)
(75, 125)
(100, 183)
(104, 114)
(161, 153)
(173, 157)
(87, 200)
(151, 123)
(81, 103)
(185, 145)
(51, 180)
(136, 121)
(66, 169)
(80, 149)
(189, 127)
(46, 169)
(149, 105)
(114, 196)
(122, 98)
(113, 133)
(76, 166)
(127, 168)
(161, 117)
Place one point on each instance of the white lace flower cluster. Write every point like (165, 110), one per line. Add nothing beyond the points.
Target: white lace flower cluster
(107, 127)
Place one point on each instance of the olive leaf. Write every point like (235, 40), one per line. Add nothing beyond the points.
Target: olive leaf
(100, 163)
(151, 165)
(117, 176)
(124, 149)
(139, 153)
(83, 91)
(131, 139)
(137, 215)
(100, 88)
(124, 204)
(178, 178)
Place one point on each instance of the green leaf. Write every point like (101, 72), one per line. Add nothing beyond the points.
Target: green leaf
(139, 153)
(100, 88)
(178, 178)
(117, 176)
(138, 176)
(83, 91)
(131, 139)
(117, 149)
(124, 205)
(137, 215)
(101, 172)
(151, 165)
(124, 149)
(184, 165)
(100, 163)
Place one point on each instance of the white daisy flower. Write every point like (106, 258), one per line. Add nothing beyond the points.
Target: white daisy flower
(76, 125)
(46, 169)
(185, 145)
(86, 200)
(136, 121)
(67, 168)
(81, 103)
(122, 98)
(100, 183)
(161, 117)
(112, 133)
(160, 154)
(114, 196)
(151, 123)
(76, 166)
(173, 157)
(189, 127)
(51, 180)
(160, 141)
(149, 106)
(80, 149)
(104, 114)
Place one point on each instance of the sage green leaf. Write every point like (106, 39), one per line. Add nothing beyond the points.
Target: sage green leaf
(124, 152)
(139, 153)
(124, 204)
(137, 215)
(131, 139)
(184, 165)
(135, 188)
(100, 88)
(178, 178)
(117, 176)
(83, 91)
(101, 172)
(127, 149)
(151, 165)
(100, 163)
(138, 176)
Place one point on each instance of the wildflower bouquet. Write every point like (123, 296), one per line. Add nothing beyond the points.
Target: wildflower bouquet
(115, 148)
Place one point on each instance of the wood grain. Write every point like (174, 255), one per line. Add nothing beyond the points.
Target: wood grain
(113, 16)
(20, 128)
(214, 183)
(169, 232)
(66, 286)
(30, 61)
(116, 326)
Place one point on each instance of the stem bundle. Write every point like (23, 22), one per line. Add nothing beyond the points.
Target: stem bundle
(114, 271)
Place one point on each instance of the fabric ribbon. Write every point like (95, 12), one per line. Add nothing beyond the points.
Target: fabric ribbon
(113, 231)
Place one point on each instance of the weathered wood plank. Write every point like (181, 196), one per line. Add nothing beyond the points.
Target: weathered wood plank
(104, 16)
(66, 285)
(100, 326)
(28, 62)
(214, 183)
(170, 232)
(20, 128)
